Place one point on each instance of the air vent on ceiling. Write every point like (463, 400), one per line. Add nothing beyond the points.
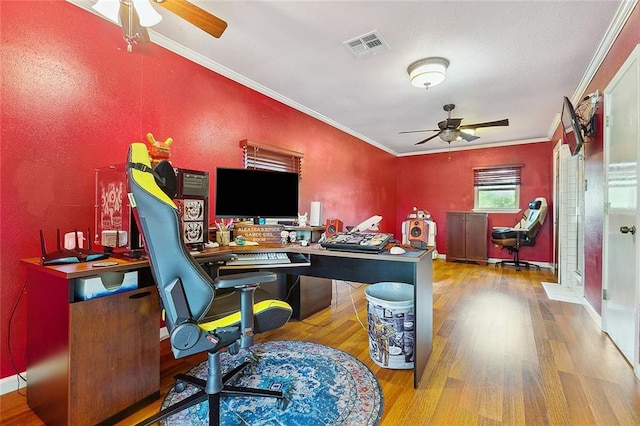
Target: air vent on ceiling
(366, 45)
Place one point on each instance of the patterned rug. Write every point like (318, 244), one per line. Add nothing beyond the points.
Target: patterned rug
(325, 386)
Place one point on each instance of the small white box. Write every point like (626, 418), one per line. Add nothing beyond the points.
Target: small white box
(105, 284)
(109, 238)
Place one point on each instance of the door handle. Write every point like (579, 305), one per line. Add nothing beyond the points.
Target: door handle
(627, 229)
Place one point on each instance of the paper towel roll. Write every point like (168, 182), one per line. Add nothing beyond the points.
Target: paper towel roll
(314, 216)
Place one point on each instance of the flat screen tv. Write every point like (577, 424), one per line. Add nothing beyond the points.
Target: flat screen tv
(571, 127)
(251, 193)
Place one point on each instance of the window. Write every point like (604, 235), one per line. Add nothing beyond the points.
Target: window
(497, 189)
(267, 157)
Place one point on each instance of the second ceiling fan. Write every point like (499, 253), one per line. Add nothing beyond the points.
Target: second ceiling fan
(451, 129)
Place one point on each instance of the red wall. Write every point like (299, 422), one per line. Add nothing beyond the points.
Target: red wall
(73, 99)
(628, 38)
(444, 182)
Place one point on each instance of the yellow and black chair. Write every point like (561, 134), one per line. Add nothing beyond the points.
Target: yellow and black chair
(524, 233)
(198, 316)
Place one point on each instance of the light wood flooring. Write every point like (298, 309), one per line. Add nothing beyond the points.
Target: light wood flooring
(503, 354)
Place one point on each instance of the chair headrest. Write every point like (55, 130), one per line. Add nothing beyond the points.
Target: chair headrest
(536, 212)
(142, 173)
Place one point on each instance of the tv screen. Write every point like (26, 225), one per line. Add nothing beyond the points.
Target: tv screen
(571, 128)
(250, 193)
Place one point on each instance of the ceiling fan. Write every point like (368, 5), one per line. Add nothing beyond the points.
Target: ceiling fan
(452, 129)
(136, 15)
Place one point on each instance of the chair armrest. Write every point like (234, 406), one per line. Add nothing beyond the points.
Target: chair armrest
(244, 279)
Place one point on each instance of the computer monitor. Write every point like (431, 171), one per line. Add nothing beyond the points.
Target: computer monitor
(251, 193)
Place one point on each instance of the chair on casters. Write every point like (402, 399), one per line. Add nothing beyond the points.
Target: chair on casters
(199, 318)
(522, 234)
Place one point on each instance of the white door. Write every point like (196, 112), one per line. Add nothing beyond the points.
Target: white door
(620, 254)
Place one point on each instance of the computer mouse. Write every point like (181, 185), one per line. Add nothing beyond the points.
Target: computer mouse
(396, 250)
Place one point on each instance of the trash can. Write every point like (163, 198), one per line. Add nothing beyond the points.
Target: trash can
(391, 322)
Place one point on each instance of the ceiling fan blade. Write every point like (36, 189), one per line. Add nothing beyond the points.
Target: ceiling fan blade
(504, 122)
(195, 15)
(428, 139)
(419, 131)
(467, 137)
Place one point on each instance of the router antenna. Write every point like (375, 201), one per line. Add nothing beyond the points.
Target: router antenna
(43, 246)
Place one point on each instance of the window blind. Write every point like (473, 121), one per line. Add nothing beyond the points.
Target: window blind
(497, 176)
(266, 157)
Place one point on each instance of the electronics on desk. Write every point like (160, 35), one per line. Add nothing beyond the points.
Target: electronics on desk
(254, 193)
(105, 284)
(62, 255)
(357, 241)
(116, 227)
(262, 258)
(419, 230)
(333, 227)
(192, 200)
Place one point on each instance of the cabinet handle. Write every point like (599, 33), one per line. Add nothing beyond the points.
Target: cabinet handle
(140, 295)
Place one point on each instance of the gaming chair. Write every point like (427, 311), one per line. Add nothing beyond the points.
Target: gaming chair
(522, 233)
(198, 316)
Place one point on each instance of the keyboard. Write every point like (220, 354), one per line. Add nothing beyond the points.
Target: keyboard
(268, 258)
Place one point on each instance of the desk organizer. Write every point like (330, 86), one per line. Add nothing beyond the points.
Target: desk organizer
(105, 284)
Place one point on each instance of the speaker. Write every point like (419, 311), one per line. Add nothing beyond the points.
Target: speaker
(314, 213)
(418, 233)
(333, 226)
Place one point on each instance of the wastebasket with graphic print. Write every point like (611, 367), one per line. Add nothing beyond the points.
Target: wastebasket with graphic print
(391, 323)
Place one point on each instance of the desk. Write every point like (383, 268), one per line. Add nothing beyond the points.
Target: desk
(415, 269)
(90, 360)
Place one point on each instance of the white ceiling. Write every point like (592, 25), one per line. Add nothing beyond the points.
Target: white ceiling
(508, 59)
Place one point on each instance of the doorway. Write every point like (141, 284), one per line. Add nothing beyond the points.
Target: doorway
(569, 224)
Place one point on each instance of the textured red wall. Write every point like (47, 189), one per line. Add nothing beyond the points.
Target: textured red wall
(627, 40)
(444, 182)
(72, 101)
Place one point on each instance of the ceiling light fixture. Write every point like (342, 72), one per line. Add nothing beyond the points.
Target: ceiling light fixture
(135, 16)
(428, 72)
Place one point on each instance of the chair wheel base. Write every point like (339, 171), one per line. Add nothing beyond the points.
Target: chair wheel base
(518, 264)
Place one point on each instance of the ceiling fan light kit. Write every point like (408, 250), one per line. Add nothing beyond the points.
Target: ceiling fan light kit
(110, 9)
(428, 72)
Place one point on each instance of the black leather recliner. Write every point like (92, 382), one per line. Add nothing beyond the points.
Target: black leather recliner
(522, 234)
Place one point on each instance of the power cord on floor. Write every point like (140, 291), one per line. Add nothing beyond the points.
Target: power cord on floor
(13, 363)
(353, 302)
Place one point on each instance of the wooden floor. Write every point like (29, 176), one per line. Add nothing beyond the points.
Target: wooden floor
(502, 354)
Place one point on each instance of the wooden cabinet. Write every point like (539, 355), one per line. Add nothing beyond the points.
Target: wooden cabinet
(89, 360)
(467, 237)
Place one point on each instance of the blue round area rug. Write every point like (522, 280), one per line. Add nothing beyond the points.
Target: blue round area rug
(325, 386)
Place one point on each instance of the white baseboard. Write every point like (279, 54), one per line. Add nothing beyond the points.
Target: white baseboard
(592, 313)
(491, 261)
(10, 383)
